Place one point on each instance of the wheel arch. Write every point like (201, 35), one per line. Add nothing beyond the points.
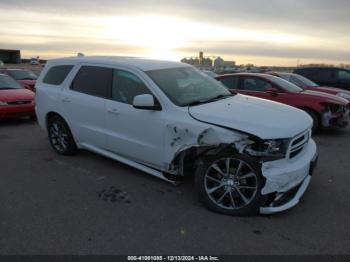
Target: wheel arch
(188, 159)
(51, 114)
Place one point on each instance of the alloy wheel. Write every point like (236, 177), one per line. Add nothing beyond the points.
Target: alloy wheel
(231, 183)
(59, 136)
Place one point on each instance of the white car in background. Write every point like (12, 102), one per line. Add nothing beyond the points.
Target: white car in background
(168, 119)
(34, 61)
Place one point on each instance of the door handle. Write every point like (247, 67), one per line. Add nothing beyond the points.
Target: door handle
(66, 100)
(113, 111)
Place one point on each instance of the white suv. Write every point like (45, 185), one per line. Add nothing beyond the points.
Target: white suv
(170, 120)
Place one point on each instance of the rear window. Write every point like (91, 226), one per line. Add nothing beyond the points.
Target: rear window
(22, 75)
(7, 82)
(57, 74)
(93, 80)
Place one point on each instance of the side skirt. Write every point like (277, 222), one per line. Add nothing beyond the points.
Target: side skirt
(128, 162)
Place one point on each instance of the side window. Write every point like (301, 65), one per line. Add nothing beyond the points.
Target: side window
(343, 75)
(307, 72)
(323, 74)
(126, 86)
(230, 82)
(255, 84)
(93, 80)
(57, 74)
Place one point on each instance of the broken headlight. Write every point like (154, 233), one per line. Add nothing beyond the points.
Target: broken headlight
(268, 149)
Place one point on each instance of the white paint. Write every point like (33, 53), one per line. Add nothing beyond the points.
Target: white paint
(293, 202)
(284, 174)
(265, 119)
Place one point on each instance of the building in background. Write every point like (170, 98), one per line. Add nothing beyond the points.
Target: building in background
(10, 56)
(213, 63)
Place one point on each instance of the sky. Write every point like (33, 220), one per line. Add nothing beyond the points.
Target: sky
(270, 32)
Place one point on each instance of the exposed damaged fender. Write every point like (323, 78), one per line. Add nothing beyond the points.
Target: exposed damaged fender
(181, 139)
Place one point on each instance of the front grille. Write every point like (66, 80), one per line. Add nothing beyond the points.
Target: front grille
(298, 143)
(338, 108)
(22, 102)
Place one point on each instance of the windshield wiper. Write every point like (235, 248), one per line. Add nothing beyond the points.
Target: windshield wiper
(204, 101)
(26, 78)
(4, 87)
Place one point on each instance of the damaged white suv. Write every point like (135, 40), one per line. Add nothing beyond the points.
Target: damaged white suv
(170, 120)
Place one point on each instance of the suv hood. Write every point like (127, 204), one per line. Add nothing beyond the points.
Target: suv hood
(262, 118)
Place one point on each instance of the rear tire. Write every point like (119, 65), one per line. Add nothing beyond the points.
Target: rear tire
(60, 136)
(315, 118)
(230, 183)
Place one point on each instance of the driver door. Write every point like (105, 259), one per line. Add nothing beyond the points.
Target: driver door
(134, 133)
(255, 86)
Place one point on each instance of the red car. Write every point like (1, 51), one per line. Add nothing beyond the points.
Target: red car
(15, 101)
(307, 84)
(25, 77)
(325, 109)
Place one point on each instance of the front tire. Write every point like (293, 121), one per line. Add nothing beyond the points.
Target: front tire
(60, 136)
(229, 183)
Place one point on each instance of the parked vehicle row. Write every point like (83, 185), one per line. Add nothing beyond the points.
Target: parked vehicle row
(247, 140)
(327, 76)
(307, 84)
(168, 119)
(326, 110)
(24, 77)
(15, 100)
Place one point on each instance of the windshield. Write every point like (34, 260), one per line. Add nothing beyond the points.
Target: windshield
(7, 82)
(284, 84)
(306, 81)
(23, 75)
(187, 85)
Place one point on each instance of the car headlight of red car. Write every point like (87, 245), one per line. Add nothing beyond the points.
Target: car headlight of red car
(344, 95)
(2, 103)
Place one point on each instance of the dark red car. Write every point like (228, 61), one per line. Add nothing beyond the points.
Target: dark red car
(325, 109)
(307, 84)
(15, 101)
(25, 77)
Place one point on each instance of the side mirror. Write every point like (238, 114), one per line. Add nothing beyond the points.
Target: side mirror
(146, 102)
(272, 91)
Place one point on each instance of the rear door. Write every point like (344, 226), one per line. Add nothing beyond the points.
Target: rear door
(84, 104)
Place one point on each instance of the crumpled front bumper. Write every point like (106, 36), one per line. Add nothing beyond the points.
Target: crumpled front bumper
(287, 180)
(340, 119)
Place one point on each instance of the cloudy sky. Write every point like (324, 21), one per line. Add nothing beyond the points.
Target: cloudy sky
(270, 32)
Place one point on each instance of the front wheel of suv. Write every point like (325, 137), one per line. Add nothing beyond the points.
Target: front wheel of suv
(229, 183)
(60, 136)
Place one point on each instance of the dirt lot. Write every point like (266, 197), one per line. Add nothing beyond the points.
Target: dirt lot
(52, 204)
